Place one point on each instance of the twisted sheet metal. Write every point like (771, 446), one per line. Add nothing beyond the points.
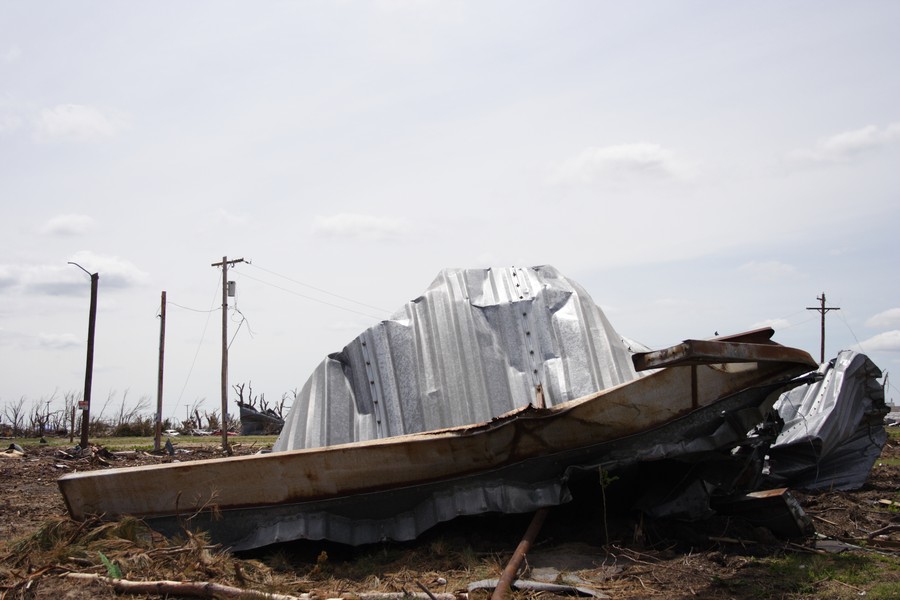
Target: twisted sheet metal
(833, 429)
(477, 344)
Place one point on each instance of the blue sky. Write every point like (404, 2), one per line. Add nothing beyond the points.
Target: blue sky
(696, 166)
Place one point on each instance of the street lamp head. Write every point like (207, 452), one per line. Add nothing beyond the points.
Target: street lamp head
(80, 267)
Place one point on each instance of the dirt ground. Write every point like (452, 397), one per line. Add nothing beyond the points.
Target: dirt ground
(855, 552)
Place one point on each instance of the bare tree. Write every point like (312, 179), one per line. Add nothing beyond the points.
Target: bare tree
(109, 396)
(128, 415)
(193, 411)
(70, 410)
(292, 395)
(15, 413)
(39, 416)
(251, 400)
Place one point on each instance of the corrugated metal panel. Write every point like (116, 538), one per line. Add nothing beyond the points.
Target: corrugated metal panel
(474, 346)
(834, 429)
(536, 479)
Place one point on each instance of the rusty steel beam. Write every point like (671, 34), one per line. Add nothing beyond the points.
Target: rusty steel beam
(511, 572)
(708, 352)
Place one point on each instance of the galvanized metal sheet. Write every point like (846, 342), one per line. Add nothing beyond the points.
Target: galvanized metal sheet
(474, 346)
(834, 428)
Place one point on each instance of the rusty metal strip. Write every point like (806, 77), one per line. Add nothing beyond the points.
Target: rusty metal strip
(705, 352)
(695, 401)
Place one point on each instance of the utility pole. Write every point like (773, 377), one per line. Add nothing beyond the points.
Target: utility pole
(822, 309)
(157, 440)
(224, 264)
(89, 366)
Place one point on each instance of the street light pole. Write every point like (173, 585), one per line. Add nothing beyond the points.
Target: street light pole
(89, 366)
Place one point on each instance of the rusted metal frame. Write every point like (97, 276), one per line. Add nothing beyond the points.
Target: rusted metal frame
(703, 352)
(511, 572)
(695, 393)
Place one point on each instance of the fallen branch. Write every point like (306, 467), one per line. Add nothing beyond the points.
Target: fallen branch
(206, 589)
(537, 586)
(196, 589)
(884, 531)
(400, 596)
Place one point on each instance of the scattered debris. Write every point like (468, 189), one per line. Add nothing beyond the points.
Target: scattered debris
(14, 451)
(538, 586)
(198, 589)
(518, 376)
(776, 510)
(255, 422)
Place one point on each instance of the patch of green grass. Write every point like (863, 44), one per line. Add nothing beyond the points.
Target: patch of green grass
(831, 576)
(885, 590)
(807, 573)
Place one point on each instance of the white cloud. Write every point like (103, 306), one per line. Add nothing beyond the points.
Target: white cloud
(77, 123)
(776, 324)
(58, 341)
(9, 123)
(889, 341)
(849, 145)
(8, 277)
(64, 279)
(223, 217)
(363, 227)
(67, 225)
(11, 55)
(631, 161)
(768, 271)
(885, 319)
(114, 271)
(403, 5)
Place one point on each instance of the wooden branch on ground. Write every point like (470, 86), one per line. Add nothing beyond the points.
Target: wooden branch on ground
(206, 589)
(196, 589)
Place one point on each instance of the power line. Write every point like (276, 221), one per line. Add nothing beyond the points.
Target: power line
(850, 329)
(244, 319)
(216, 309)
(314, 299)
(318, 289)
(199, 344)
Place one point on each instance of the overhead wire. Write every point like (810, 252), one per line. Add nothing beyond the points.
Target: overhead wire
(318, 289)
(850, 329)
(790, 324)
(320, 301)
(169, 302)
(200, 343)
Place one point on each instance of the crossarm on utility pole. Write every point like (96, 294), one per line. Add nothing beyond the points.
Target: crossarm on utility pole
(822, 309)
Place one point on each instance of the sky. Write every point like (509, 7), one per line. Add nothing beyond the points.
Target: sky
(697, 166)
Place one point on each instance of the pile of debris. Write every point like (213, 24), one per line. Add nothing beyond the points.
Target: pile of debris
(496, 390)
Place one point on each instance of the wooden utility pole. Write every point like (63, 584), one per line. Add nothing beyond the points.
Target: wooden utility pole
(224, 264)
(822, 309)
(85, 403)
(157, 440)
